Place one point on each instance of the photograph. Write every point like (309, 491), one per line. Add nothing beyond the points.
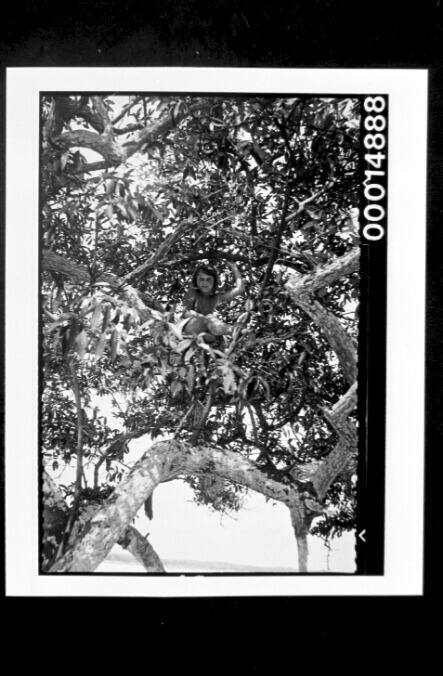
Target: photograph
(199, 319)
(211, 278)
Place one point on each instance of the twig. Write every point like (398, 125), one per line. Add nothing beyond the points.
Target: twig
(161, 251)
(183, 420)
(119, 441)
(117, 404)
(126, 109)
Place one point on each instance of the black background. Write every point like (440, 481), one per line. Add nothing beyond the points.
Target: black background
(310, 33)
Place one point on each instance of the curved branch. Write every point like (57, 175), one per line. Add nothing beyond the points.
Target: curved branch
(301, 288)
(102, 144)
(335, 333)
(164, 461)
(324, 275)
(105, 143)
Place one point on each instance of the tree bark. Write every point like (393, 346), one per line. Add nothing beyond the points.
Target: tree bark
(346, 446)
(142, 550)
(337, 337)
(164, 461)
(301, 288)
(103, 144)
(52, 495)
(55, 519)
(301, 530)
(324, 275)
(103, 140)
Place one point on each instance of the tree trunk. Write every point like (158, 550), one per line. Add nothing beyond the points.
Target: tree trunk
(301, 530)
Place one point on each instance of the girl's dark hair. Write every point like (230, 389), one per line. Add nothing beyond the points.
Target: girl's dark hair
(209, 270)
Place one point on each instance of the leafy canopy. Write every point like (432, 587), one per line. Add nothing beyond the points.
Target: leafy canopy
(222, 180)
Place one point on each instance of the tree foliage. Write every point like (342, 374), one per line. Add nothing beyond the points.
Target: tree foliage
(136, 191)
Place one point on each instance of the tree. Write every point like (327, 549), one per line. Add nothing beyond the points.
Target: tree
(135, 191)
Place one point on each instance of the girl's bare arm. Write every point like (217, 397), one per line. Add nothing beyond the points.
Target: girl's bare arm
(188, 303)
(237, 289)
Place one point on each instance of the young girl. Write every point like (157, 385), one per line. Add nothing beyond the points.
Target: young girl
(202, 299)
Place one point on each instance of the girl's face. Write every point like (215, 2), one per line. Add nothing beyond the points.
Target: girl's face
(205, 282)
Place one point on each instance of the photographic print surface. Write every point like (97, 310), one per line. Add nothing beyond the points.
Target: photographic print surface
(212, 333)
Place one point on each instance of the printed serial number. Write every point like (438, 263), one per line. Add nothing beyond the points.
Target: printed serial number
(374, 141)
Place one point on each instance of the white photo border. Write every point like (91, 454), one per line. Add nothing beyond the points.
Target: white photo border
(404, 499)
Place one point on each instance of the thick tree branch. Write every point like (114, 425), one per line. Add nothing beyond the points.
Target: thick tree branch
(142, 550)
(336, 461)
(164, 461)
(335, 333)
(301, 289)
(103, 144)
(323, 473)
(344, 407)
(113, 152)
(346, 447)
(65, 109)
(324, 275)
